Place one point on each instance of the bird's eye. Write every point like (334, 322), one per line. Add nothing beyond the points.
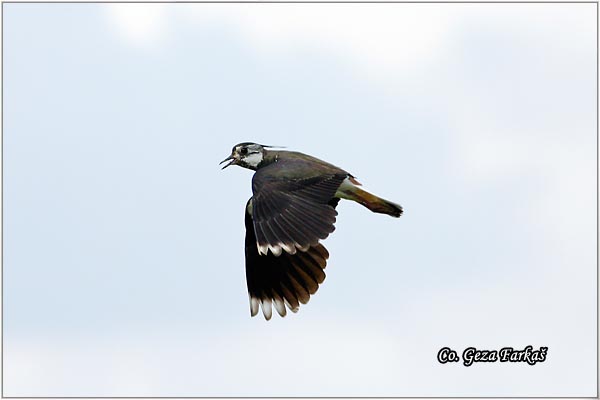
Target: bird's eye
(244, 151)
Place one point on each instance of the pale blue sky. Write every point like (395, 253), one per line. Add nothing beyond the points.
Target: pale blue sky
(123, 239)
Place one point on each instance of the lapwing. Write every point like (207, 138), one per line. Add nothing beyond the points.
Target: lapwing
(291, 210)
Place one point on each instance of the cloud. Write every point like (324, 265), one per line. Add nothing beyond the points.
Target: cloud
(261, 359)
(138, 24)
(381, 38)
(307, 356)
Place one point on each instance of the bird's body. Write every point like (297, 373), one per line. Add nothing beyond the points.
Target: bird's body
(291, 210)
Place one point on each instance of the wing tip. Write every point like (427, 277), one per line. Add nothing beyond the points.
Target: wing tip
(265, 304)
(253, 306)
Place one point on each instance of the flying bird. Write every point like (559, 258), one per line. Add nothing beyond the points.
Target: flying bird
(292, 208)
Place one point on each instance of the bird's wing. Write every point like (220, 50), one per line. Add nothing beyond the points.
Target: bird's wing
(287, 280)
(293, 213)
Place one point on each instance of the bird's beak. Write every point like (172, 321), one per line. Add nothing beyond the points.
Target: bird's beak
(231, 161)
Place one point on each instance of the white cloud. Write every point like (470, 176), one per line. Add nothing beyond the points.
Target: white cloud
(138, 24)
(305, 356)
(255, 359)
(381, 38)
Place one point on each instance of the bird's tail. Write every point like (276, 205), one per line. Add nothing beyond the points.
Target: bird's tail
(351, 191)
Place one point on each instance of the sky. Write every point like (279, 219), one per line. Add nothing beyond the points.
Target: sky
(123, 264)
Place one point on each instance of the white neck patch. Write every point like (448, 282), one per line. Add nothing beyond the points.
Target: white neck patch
(253, 159)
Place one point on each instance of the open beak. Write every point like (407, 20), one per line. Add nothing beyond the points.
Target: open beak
(231, 161)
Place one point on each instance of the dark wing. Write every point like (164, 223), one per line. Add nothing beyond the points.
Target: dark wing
(287, 280)
(291, 214)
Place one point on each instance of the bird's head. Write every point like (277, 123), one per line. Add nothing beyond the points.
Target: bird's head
(247, 155)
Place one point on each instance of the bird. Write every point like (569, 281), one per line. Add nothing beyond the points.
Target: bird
(292, 209)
